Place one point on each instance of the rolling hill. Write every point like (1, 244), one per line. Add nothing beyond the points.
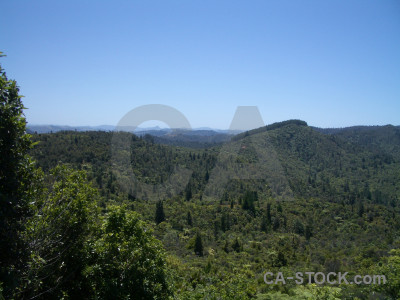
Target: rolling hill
(282, 197)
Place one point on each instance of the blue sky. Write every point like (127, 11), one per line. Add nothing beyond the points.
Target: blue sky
(330, 63)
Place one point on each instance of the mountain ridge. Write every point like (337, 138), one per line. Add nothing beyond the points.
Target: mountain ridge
(48, 128)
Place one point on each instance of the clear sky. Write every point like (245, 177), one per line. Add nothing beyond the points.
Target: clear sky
(330, 63)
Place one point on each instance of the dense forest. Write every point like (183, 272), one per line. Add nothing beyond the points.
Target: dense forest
(96, 215)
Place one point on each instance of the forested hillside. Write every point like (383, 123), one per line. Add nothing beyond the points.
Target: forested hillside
(110, 215)
(336, 207)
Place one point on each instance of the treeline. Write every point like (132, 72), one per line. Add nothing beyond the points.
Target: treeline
(268, 127)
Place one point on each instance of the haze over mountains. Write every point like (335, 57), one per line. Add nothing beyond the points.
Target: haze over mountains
(156, 130)
(55, 128)
(196, 137)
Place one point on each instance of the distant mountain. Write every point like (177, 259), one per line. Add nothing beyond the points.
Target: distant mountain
(347, 129)
(204, 137)
(156, 130)
(57, 128)
(193, 138)
(269, 127)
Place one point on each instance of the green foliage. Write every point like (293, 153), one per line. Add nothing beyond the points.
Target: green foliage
(65, 217)
(391, 269)
(1, 291)
(75, 253)
(53, 243)
(308, 292)
(125, 260)
(345, 199)
(151, 163)
(16, 177)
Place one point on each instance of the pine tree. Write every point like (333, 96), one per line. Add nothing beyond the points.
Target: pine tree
(276, 224)
(236, 245)
(188, 193)
(189, 219)
(269, 213)
(279, 208)
(360, 209)
(264, 225)
(308, 232)
(298, 227)
(281, 259)
(248, 201)
(226, 247)
(198, 245)
(223, 222)
(160, 216)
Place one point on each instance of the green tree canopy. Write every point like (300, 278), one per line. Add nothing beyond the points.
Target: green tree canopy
(16, 173)
(127, 262)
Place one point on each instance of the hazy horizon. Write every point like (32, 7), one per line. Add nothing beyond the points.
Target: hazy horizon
(163, 126)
